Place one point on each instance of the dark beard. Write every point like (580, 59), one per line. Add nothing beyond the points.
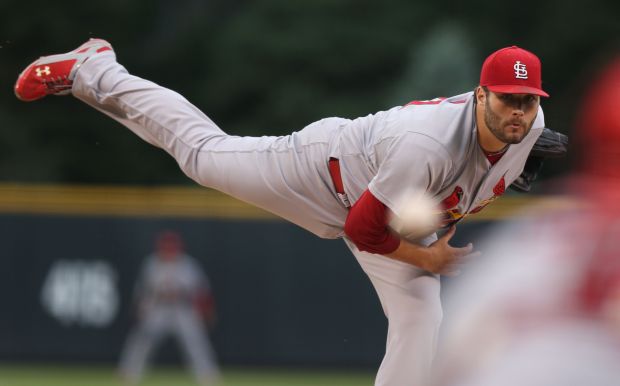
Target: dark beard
(495, 125)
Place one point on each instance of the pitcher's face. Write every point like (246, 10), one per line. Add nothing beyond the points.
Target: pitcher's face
(510, 116)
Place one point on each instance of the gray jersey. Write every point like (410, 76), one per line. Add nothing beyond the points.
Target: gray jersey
(431, 147)
(171, 282)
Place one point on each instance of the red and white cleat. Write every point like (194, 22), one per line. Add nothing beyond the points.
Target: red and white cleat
(54, 74)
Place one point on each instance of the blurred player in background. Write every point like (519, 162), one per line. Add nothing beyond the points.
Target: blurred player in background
(343, 178)
(173, 298)
(544, 308)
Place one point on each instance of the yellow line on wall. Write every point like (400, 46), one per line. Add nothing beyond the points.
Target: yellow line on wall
(189, 202)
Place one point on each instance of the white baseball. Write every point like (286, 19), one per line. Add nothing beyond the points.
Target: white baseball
(417, 216)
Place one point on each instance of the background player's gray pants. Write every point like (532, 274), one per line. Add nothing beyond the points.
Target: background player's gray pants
(179, 322)
(285, 175)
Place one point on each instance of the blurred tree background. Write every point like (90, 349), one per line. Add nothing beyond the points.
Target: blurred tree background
(270, 67)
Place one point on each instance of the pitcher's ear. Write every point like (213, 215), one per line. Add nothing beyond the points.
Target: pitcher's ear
(480, 95)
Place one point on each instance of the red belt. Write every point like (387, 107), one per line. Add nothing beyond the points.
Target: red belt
(334, 172)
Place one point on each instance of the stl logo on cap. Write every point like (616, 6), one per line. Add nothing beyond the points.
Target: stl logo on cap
(512, 70)
(520, 70)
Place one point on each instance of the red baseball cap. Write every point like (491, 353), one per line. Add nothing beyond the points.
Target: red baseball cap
(512, 70)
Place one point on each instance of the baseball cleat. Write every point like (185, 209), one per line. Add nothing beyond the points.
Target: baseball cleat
(54, 74)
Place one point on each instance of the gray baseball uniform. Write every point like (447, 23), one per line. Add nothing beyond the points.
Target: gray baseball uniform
(165, 292)
(431, 146)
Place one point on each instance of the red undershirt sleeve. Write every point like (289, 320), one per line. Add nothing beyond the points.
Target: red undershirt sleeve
(367, 226)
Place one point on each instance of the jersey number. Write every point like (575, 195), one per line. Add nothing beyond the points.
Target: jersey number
(434, 101)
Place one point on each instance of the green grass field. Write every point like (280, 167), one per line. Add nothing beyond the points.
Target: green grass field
(25, 375)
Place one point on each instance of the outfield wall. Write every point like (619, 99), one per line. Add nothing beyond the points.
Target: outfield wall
(70, 256)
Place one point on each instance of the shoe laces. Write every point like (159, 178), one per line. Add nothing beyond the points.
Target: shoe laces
(57, 83)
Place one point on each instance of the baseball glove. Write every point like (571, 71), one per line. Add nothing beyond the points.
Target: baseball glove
(550, 144)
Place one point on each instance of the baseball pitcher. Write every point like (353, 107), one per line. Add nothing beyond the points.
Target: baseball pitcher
(342, 178)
